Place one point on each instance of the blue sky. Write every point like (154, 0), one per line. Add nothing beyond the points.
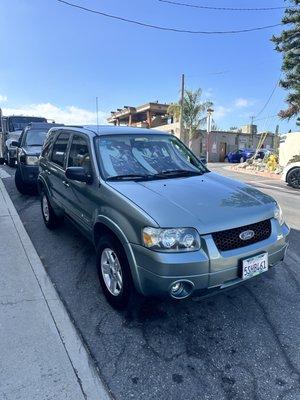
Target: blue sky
(56, 59)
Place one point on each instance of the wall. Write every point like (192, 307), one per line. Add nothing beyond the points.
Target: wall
(172, 128)
(229, 141)
(289, 148)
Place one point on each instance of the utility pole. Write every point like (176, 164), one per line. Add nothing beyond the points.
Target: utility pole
(252, 130)
(181, 128)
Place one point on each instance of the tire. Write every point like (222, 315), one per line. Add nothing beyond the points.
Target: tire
(226, 160)
(51, 220)
(114, 273)
(11, 162)
(293, 178)
(20, 185)
(242, 160)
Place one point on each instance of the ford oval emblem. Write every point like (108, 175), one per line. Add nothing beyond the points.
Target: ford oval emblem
(247, 235)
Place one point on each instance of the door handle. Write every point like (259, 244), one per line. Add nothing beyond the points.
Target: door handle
(66, 184)
(48, 172)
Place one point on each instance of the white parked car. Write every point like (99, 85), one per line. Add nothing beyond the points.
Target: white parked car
(291, 175)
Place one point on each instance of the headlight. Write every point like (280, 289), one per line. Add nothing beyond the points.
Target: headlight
(32, 160)
(278, 214)
(181, 239)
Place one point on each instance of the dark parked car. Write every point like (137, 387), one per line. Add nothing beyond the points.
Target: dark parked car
(29, 149)
(161, 222)
(262, 153)
(203, 159)
(239, 156)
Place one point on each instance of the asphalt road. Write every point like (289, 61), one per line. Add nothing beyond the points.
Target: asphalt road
(242, 344)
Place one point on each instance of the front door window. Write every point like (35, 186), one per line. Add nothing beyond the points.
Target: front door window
(79, 155)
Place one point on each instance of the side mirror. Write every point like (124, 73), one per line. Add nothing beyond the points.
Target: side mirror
(78, 174)
(14, 143)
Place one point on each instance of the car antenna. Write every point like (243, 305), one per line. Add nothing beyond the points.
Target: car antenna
(97, 111)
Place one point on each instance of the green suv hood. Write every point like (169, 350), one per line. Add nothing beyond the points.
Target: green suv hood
(209, 202)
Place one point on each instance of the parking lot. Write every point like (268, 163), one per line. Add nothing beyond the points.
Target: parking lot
(240, 344)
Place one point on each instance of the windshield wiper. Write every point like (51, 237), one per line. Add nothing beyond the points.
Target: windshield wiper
(132, 177)
(178, 172)
(37, 144)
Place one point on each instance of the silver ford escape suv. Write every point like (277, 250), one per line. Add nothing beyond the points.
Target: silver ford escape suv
(161, 222)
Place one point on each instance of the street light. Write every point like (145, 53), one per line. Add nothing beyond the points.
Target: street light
(208, 130)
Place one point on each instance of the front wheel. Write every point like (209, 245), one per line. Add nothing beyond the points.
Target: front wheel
(114, 272)
(20, 185)
(242, 160)
(293, 178)
(51, 220)
(11, 162)
(226, 160)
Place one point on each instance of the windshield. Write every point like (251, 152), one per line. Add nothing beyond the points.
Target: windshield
(138, 156)
(35, 137)
(18, 123)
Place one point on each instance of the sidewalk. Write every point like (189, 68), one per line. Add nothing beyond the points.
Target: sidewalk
(41, 355)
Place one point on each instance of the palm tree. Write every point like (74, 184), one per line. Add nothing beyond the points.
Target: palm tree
(174, 110)
(194, 112)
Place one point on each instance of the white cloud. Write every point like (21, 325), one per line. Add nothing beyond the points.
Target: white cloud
(241, 102)
(3, 98)
(221, 112)
(68, 115)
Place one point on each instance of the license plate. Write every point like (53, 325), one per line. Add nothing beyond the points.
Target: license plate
(255, 265)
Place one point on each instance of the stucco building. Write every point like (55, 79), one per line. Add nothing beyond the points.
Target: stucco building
(222, 142)
(155, 115)
(147, 115)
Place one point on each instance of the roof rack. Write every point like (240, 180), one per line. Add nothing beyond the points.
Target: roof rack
(41, 125)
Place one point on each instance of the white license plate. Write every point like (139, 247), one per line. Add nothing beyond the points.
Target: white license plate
(255, 265)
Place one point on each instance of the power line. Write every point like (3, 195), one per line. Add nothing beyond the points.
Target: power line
(177, 3)
(269, 98)
(164, 28)
(263, 119)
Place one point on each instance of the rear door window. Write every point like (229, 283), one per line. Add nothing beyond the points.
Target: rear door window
(60, 149)
(48, 145)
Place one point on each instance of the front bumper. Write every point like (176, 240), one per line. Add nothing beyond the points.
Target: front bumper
(29, 173)
(206, 269)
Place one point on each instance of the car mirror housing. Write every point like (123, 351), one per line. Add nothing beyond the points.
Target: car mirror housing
(14, 143)
(78, 174)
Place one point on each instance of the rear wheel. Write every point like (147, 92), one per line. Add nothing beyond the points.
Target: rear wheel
(293, 178)
(242, 160)
(114, 272)
(51, 220)
(226, 160)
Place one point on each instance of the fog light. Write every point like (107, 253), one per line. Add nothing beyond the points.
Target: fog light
(181, 289)
(176, 287)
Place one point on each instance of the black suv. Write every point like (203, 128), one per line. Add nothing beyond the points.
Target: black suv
(29, 149)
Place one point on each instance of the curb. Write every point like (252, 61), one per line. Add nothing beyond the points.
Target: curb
(79, 357)
(257, 173)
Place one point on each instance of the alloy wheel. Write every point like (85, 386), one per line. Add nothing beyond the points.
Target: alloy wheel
(294, 178)
(111, 271)
(45, 208)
